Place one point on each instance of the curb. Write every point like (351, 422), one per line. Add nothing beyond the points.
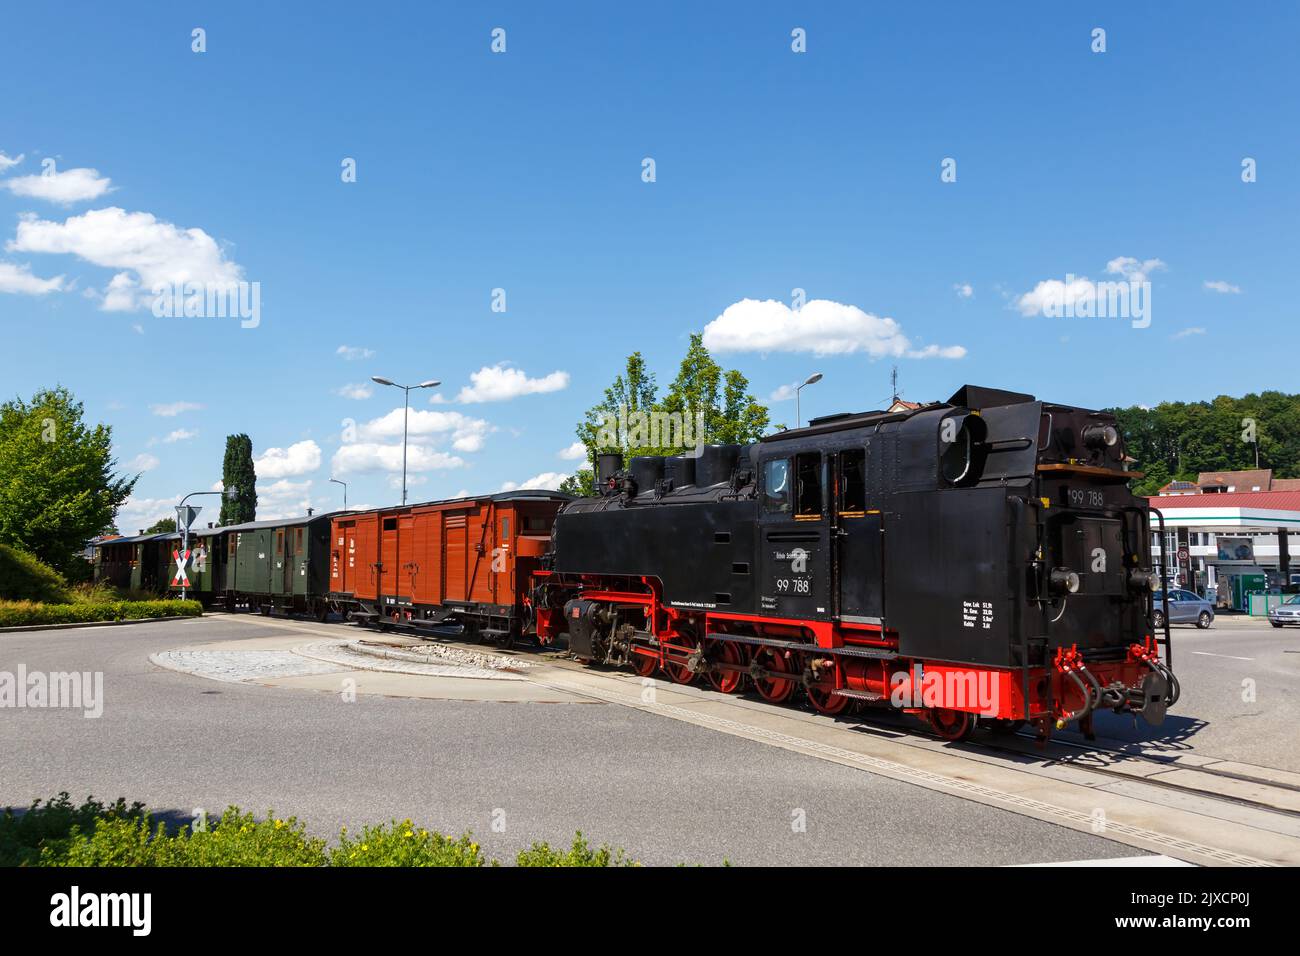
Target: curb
(65, 627)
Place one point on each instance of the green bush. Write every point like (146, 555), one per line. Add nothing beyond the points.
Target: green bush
(31, 613)
(402, 844)
(94, 834)
(24, 577)
(52, 826)
(580, 854)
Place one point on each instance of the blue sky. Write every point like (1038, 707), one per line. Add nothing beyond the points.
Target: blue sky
(522, 171)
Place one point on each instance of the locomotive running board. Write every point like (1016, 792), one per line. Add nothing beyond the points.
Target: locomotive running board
(844, 651)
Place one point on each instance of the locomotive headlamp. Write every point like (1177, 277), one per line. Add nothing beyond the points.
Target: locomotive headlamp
(1101, 436)
(1065, 581)
(1138, 580)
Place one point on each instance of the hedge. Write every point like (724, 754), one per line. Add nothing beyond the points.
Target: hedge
(25, 577)
(60, 833)
(32, 613)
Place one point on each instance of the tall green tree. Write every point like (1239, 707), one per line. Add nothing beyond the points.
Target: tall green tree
(703, 404)
(161, 526)
(237, 472)
(58, 488)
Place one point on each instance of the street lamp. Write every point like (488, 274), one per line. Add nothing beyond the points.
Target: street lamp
(406, 414)
(813, 379)
(345, 491)
(230, 494)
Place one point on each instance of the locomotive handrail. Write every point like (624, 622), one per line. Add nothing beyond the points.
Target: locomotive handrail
(1164, 589)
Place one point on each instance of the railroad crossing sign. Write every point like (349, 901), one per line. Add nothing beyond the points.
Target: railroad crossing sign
(185, 515)
(181, 558)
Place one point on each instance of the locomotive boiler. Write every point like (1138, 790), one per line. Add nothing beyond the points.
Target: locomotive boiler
(975, 560)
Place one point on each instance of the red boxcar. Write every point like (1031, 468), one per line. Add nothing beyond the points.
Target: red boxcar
(465, 561)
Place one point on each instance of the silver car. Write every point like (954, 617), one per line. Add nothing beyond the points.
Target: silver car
(1184, 608)
(1288, 612)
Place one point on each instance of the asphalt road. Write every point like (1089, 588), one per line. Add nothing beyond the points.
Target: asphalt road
(667, 791)
(1240, 696)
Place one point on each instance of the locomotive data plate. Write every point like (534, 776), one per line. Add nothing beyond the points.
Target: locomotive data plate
(1086, 498)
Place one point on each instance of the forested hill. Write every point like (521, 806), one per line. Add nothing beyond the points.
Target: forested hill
(1180, 439)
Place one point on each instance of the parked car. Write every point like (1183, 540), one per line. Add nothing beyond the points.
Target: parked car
(1185, 607)
(1288, 612)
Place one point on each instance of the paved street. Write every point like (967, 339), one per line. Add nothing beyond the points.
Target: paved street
(1217, 715)
(667, 791)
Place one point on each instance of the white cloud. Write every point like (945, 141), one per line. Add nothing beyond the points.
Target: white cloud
(359, 457)
(358, 391)
(963, 290)
(298, 459)
(467, 434)
(354, 352)
(1066, 297)
(136, 514)
(65, 188)
(1218, 285)
(547, 480)
(18, 279)
(151, 252)
(9, 162)
(575, 452)
(783, 394)
(1194, 330)
(498, 383)
(172, 409)
(1132, 269)
(143, 462)
(283, 499)
(180, 434)
(821, 327)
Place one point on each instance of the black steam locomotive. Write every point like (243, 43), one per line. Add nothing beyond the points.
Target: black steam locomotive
(980, 559)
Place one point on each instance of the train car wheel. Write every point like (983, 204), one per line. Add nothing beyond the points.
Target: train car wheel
(644, 665)
(728, 682)
(951, 724)
(775, 690)
(680, 673)
(825, 701)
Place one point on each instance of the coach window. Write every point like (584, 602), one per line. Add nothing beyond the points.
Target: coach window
(776, 486)
(297, 540)
(853, 482)
(505, 529)
(808, 474)
(279, 541)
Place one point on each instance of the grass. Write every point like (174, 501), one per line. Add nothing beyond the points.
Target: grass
(59, 833)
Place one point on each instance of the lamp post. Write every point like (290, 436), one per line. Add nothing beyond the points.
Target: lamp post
(230, 494)
(406, 414)
(812, 379)
(345, 491)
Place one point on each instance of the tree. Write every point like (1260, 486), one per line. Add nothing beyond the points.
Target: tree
(161, 526)
(57, 483)
(703, 405)
(1178, 440)
(237, 472)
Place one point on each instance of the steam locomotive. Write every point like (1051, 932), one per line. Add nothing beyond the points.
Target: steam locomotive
(979, 560)
(975, 560)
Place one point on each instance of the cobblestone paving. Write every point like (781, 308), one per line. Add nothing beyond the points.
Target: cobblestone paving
(237, 666)
(404, 662)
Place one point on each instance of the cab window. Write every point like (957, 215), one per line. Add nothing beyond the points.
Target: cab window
(853, 481)
(808, 471)
(776, 486)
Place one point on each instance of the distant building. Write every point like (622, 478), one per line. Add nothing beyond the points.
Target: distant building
(1231, 482)
(900, 405)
